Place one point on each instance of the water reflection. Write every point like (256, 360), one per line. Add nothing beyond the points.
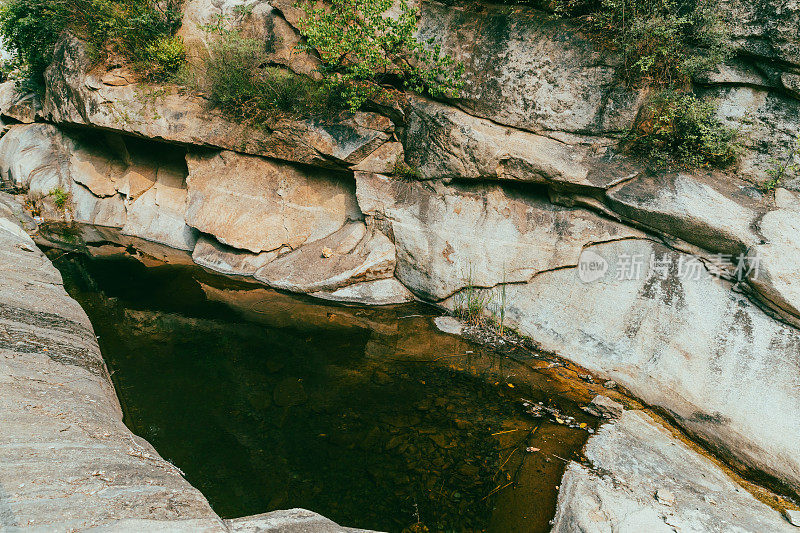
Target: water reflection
(369, 416)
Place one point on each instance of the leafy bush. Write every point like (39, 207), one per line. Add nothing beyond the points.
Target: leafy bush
(240, 84)
(783, 167)
(138, 30)
(165, 55)
(662, 42)
(679, 129)
(361, 47)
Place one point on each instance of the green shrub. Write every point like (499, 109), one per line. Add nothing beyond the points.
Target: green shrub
(137, 30)
(60, 197)
(165, 55)
(783, 167)
(679, 129)
(239, 83)
(662, 42)
(362, 47)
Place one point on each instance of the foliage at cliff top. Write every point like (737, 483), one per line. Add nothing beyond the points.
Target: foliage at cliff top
(237, 80)
(366, 43)
(662, 42)
(680, 130)
(140, 31)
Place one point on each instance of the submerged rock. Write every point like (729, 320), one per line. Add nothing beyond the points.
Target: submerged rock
(604, 407)
(449, 324)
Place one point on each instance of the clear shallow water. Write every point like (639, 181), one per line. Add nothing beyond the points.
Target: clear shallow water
(369, 416)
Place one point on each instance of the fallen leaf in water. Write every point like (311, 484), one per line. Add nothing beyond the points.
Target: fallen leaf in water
(510, 385)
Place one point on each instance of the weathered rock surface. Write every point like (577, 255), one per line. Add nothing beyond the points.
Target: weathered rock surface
(212, 254)
(141, 189)
(387, 291)
(679, 339)
(351, 255)
(766, 29)
(443, 142)
(255, 19)
(69, 461)
(774, 269)
(160, 213)
(18, 105)
(77, 95)
(527, 70)
(287, 521)
(448, 237)
(767, 122)
(32, 157)
(704, 209)
(260, 205)
(644, 479)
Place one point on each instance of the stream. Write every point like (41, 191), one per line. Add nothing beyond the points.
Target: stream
(369, 416)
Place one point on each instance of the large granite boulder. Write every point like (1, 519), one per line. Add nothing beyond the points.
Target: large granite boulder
(212, 254)
(640, 478)
(33, 157)
(449, 237)
(77, 94)
(70, 464)
(712, 211)
(256, 204)
(18, 105)
(655, 321)
(159, 214)
(528, 70)
(351, 255)
(110, 181)
(444, 142)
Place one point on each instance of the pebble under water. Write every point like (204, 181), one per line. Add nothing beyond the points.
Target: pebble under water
(369, 416)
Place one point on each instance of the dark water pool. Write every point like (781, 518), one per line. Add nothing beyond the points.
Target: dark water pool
(369, 416)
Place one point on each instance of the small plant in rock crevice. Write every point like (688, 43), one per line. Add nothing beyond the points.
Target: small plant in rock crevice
(781, 168)
(61, 198)
(404, 171)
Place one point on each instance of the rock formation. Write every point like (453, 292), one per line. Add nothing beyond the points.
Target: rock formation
(682, 286)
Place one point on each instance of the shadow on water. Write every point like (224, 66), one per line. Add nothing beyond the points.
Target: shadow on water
(369, 416)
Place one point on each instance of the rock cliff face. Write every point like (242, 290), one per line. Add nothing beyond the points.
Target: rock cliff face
(684, 287)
